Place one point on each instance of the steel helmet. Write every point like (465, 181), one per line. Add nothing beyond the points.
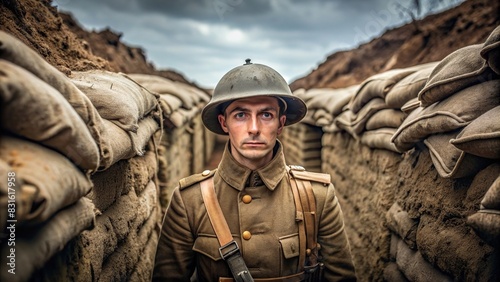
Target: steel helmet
(250, 80)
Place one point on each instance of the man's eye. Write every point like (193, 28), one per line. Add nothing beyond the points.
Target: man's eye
(267, 115)
(239, 115)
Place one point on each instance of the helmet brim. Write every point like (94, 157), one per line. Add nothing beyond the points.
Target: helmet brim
(296, 110)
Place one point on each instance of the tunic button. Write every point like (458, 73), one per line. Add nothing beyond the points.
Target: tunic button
(247, 199)
(247, 235)
(205, 172)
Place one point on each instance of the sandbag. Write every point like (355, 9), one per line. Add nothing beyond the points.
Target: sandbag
(126, 144)
(379, 139)
(35, 110)
(377, 85)
(116, 97)
(35, 247)
(491, 50)
(482, 136)
(408, 87)
(15, 51)
(169, 103)
(459, 70)
(46, 180)
(491, 199)
(452, 113)
(486, 223)
(399, 222)
(451, 162)
(359, 119)
(415, 267)
(162, 85)
(385, 118)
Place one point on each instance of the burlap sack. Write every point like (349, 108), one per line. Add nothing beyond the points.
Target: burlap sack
(486, 223)
(359, 119)
(35, 247)
(320, 117)
(399, 222)
(163, 85)
(131, 243)
(452, 113)
(491, 50)
(491, 199)
(408, 87)
(451, 162)
(482, 136)
(344, 122)
(459, 70)
(385, 118)
(126, 144)
(197, 94)
(116, 97)
(48, 181)
(15, 51)
(415, 267)
(377, 86)
(170, 103)
(35, 110)
(330, 100)
(379, 139)
(411, 105)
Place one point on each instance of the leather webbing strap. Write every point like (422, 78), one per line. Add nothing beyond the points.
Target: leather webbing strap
(305, 202)
(229, 249)
(299, 218)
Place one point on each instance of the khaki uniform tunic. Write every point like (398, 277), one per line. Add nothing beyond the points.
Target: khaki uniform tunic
(260, 211)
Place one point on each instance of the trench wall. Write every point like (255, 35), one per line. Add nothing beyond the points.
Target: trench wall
(414, 156)
(93, 158)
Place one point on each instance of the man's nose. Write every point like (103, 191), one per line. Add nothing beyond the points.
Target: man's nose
(253, 127)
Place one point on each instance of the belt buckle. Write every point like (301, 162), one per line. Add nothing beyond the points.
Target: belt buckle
(229, 249)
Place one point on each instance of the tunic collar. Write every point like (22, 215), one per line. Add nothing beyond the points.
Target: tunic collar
(236, 175)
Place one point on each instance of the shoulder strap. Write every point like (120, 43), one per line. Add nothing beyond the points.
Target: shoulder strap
(229, 249)
(305, 204)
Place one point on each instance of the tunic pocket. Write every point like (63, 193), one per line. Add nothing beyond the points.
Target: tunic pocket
(290, 245)
(207, 245)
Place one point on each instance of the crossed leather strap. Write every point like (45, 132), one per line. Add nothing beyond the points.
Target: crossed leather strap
(305, 204)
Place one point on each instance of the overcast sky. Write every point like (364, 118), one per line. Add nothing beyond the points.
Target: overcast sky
(203, 39)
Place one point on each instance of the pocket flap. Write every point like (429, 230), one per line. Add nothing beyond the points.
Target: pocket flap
(290, 245)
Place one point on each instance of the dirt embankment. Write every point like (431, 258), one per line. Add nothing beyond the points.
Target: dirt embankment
(62, 42)
(437, 36)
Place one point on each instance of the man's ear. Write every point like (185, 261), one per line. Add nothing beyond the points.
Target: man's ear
(282, 123)
(222, 122)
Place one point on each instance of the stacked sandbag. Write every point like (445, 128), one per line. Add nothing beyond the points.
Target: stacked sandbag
(43, 210)
(456, 113)
(303, 146)
(486, 221)
(129, 111)
(304, 141)
(84, 154)
(49, 147)
(185, 138)
(29, 73)
(371, 115)
(122, 245)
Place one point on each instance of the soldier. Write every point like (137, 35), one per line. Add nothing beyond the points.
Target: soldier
(264, 230)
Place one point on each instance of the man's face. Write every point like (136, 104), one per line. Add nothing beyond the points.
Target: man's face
(253, 125)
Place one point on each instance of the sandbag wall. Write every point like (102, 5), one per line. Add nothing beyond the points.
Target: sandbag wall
(186, 145)
(415, 158)
(85, 159)
(303, 146)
